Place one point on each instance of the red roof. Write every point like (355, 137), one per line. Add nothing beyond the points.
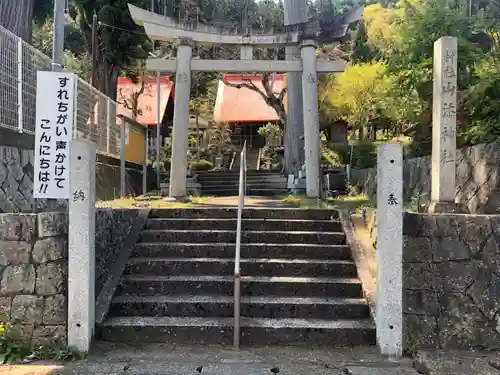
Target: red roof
(147, 100)
(245, 105)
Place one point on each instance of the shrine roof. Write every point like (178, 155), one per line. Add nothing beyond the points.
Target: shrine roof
(147, 100)
(245, 105)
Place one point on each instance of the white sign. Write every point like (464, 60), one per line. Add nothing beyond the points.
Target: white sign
(55, 95)
(351, 142)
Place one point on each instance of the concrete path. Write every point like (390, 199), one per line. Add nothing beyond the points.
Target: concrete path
(165, 359)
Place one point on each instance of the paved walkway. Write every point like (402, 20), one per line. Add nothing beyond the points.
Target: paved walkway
(163, 359)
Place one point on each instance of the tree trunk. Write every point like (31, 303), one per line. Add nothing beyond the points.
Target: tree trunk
(107, 77)
(17, 16)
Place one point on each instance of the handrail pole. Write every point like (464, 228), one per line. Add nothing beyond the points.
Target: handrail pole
(237, 254)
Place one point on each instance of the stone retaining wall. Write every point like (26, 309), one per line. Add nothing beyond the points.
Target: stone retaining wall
(16, 181)
(477, 183)
(451, 283)
(33, 276)
(112, 228)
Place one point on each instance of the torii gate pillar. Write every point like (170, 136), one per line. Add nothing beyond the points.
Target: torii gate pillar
(311, 117)
(180, 133)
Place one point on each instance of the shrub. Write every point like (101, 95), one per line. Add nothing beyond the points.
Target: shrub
(201, 165)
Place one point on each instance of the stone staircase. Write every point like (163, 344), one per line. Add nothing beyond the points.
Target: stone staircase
(225, 183)
(299, 284)
(252, 159)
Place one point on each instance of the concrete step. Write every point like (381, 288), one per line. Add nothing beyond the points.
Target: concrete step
(216, 183)
(250, 172)
(205, 236)
(254, 331)
(150, 285)
(257, 250)
(273, 192)
(223, 306)
(234, 178)
(220, 192)
(250, 186)
(255, 192)
(250, 213)
(247, 224)
(254, 267)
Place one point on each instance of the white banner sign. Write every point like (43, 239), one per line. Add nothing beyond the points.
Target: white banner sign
(55, 93)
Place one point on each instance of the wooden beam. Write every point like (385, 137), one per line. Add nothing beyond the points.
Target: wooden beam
(241, 66)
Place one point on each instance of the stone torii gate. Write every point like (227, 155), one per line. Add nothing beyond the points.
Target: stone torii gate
(159, 27)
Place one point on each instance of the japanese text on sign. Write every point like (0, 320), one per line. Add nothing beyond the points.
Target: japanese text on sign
(54, 125)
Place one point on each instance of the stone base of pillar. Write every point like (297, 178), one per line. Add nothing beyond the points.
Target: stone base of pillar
(447, 208)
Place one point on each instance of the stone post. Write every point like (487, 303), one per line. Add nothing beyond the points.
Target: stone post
(389, 309)
(180, 133)
(81, 245)
(311, 117)
(444, 124)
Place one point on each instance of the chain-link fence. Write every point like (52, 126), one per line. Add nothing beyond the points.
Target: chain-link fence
(95, 114)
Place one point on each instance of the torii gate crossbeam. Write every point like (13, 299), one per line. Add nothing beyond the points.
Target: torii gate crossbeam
(251, 66)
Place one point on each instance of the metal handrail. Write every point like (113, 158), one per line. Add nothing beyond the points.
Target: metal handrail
(232, 161)
(237, 253)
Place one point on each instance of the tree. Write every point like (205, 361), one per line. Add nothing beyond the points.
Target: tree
(17, 16)
(359, 95)
(75, 59)
(361, 49)
(120, 42)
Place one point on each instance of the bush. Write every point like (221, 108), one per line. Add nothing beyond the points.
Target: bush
(201, 165)
(166, 164)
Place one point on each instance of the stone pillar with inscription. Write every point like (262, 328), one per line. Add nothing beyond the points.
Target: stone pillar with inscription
(311, 117)
(180, 132)
(389, 317)
(81, 238)
(444, 125)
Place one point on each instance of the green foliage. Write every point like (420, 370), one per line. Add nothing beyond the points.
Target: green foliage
(272, 134)
(201, 165)
(359, 94)
(387, 91)
(13, 351)
(271, 160)
(219, 138)
(58, 353)
(192, 141)
(361, 49)
(330, 157)
(122, 43)
(42, 10)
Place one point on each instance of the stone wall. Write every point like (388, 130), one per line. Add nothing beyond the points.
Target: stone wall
(33, 276)
(112, 228)
(451, 281)
(478, 178)
(16, 176)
